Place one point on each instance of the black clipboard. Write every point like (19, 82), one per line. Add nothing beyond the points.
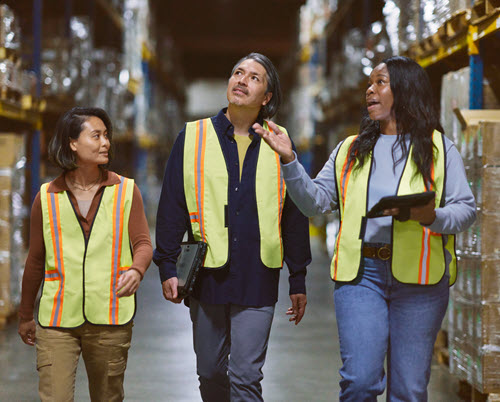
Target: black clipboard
(188, 265)
(403, 202)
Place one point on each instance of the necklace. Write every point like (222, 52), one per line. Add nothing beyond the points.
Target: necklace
(82, 188)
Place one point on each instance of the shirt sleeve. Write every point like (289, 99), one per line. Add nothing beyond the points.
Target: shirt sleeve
(138, 230)
(35, 263)
(172, 218)
(459, 210)
(313, 197)
(296, 244)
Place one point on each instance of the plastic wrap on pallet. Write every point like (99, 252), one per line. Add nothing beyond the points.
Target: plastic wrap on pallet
(436, 12)
(454, 94)
(353, 47)
(7, 73)
(474, 334)
(401, 23)
(490, 146)
(80, 64)
(66, 63)
(377, 47)
(107, 90)
(19, 215)
(10, 31)
(361, 53)
(56, 74)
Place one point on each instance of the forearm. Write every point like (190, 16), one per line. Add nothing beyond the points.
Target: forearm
(454, 218)
(35, 263)
(312, 197)
(30, 286)
(459, 210)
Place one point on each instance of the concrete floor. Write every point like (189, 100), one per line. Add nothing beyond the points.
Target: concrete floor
(302, 362)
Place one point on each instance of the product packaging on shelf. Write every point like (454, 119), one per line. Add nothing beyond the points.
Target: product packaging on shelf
(12, 222)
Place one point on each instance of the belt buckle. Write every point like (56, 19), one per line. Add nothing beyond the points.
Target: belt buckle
(384, 253)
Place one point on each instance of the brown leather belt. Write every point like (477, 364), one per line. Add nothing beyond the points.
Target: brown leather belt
(382, 253)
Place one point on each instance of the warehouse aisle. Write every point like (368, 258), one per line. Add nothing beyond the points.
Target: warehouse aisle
(302, 363)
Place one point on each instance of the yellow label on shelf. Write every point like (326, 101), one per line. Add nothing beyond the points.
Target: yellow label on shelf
(133, 85)
(471, 40)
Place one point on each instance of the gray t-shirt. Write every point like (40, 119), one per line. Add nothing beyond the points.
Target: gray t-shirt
(319, 196)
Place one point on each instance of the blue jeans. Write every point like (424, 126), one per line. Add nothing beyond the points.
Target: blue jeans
(230, 343)
(377, 316)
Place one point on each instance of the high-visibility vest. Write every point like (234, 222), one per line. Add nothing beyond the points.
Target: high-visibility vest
(81, 276)
(418, 254)
(206, 185)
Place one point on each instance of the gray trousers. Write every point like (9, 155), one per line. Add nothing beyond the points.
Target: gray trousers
(230, 343)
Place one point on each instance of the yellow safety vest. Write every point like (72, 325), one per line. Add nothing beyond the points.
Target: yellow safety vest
(418, 254)
(81, 276)
(206, 190)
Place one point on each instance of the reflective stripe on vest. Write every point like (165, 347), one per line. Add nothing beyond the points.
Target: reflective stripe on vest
(418, 254)
(270, 203)
(78, 287)
(206, 192)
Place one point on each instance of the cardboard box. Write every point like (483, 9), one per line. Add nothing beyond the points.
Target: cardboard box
(11, 146)
(490, 133)
(490, 281)
(487, 372)
(490, 189)
(490, 324)
(490, 234)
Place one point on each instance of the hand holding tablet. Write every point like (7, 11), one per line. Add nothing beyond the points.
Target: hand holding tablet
(403, 202)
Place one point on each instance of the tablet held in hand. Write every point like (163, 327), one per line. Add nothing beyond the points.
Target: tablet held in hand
(403, 202)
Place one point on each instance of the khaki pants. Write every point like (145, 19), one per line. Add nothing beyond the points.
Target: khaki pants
(104, 349)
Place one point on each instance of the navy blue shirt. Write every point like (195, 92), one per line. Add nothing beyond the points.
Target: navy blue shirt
(244, 280)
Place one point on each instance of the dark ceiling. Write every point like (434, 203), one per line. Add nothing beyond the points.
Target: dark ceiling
(211, 35)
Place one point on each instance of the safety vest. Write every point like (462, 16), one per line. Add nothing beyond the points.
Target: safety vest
(81, 276)
(418, 254)
(206, 189)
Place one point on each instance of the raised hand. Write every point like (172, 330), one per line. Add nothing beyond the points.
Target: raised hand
(277, 140)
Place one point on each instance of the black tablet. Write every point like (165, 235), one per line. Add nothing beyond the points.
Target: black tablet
(400, 201)
(188, 264)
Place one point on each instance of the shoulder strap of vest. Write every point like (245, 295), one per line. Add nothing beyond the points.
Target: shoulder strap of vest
(343, 171)
(445, 161)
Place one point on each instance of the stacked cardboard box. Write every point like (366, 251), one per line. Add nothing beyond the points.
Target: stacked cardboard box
(474, 316)
(12, 221)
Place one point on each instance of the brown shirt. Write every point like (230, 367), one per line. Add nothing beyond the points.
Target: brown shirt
(34, 270)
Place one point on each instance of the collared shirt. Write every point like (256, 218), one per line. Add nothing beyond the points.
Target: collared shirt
(245, 280)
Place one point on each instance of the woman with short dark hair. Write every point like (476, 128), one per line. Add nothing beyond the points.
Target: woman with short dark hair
(391, 273)
(90, 247)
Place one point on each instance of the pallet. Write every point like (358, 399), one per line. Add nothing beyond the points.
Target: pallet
(483, 9)
(9, 94)
(427, 45)
(457, 23)
(9, 54)
(467, 392)
(29, 102)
